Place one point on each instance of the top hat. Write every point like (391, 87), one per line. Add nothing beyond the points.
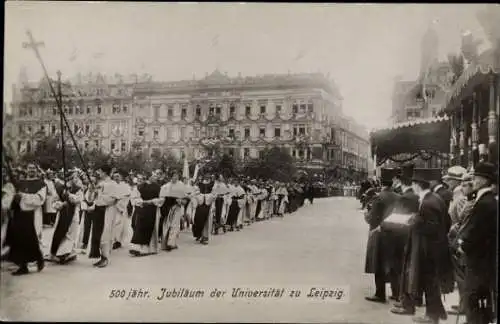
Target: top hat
(455, 173)
(486, 170)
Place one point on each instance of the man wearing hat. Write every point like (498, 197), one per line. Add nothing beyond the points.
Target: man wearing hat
(383, 206)
(451, 180)
(427, 262)
(477, 241)
(174, 193)
(460, 209)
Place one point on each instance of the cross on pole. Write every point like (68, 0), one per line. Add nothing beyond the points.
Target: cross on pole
(57, 96)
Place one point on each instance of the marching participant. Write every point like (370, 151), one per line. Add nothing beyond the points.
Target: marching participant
(203, 216)
(169, 201)
(174, 193)
(234, 208)
(239, 195)
(65, 234)
(49, 213)
(25, 225)
(219, 190)
(282, 195)
(87, 208)
(261, 203)
(146, 201)
(122, 221)
(104, 216)
(8, 193)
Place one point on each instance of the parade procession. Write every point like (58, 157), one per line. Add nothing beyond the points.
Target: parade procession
(364, 190)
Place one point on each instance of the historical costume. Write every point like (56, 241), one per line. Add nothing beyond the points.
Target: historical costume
(169, 201)
(87, 208)
(202, 222)
(477, 240)
(171, 223)
(8, 193)
(376, 257)
(104, 218)
(219, 191)
(64, 239)
(24, 228)
(121, 226)
(282, 195)
(49, 212)
(239, 196)
(146, 201)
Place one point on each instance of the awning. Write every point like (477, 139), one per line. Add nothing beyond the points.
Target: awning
(414, 137)
(476, 73)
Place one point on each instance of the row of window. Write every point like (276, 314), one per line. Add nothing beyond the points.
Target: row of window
(26, 147)
(216, 110)
(54, 128)
(78, 110)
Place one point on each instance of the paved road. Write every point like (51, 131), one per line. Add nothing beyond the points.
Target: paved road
(322, 246)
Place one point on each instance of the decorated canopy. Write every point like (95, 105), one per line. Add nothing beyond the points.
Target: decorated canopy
(414, 137)
(476, 73)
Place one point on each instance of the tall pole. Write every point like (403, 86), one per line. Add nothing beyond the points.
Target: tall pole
(63, 144)
(58, 97)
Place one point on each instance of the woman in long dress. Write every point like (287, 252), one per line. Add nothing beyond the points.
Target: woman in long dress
(146, 202)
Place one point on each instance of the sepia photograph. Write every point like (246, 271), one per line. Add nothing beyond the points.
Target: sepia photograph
(250, 162)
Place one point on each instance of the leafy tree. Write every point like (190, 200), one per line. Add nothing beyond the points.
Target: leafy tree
(275, 163)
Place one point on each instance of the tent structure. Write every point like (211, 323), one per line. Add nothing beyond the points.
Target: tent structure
(422, 137)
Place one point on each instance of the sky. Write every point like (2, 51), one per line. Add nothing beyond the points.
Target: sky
(363, 47)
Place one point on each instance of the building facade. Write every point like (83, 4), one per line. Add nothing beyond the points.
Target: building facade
(240, 116)
(424, 97)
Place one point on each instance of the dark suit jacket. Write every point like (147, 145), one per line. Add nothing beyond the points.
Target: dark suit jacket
(447, 196)
(431, 230)
(382, 207)
(479, 236)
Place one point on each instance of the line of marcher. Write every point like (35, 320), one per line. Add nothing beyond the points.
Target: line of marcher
(95, 216)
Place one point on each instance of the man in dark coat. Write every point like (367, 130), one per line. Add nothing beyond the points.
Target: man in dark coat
(396, 237)
(382, 207)
(477, 240)
(426, 253)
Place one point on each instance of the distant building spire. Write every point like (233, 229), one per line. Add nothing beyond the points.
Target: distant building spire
(429, 48)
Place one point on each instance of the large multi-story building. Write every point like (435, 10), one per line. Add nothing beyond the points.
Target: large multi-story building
(240, 116)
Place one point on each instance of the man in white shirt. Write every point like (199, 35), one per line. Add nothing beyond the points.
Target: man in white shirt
(49, 213)
(122, 220)
(105, 212)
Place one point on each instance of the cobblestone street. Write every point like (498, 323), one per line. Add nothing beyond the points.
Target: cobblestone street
(321, 245)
